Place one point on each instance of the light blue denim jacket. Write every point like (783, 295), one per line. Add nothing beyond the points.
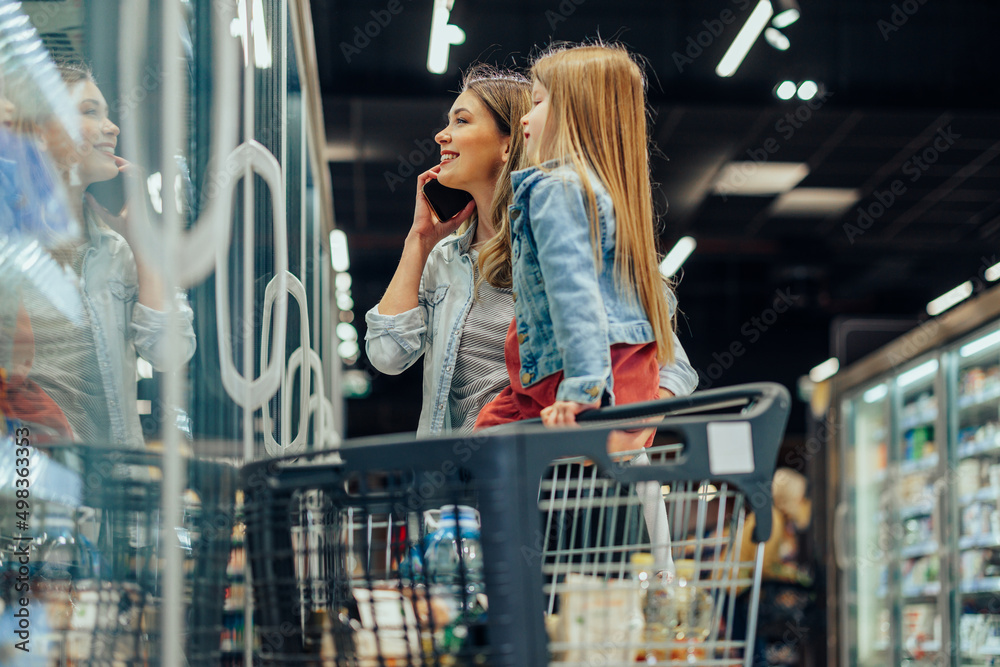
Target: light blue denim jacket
(433, 330)
(569, 310)
(124, 327)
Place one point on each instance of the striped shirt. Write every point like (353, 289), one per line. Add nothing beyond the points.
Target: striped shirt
(65, 363)
(480, 370)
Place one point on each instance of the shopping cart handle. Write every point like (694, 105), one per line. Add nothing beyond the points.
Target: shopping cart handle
(739, 447)
(759, 397)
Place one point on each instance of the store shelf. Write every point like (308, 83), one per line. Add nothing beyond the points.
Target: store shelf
(925, 508)
(925, 418)
(984, 495)
(986, 585)
(930, 590)
(977, 447)
(919, 550)
(985, 396)
(987, 541)
(924, 464)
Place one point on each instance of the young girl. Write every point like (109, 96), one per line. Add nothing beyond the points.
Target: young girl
(591, 313)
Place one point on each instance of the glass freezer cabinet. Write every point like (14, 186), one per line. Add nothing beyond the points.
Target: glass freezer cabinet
(916, 534)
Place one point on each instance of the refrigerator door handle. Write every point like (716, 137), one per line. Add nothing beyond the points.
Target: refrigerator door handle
(937, 526)
(839, 537)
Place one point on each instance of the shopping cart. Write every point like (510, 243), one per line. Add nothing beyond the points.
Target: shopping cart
(97, 548)
(527, 547)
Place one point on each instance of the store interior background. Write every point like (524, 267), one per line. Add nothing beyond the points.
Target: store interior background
(905, 128)
(894, 74)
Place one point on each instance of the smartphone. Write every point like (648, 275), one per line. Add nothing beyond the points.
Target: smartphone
(444, 201)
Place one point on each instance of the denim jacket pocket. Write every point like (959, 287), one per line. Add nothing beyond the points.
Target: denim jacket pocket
(123, 292)
(433, 301)
(123, 298)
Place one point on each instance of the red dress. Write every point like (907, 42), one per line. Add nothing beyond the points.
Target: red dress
(634, 368)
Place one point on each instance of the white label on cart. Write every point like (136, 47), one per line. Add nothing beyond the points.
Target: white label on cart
(730, 448)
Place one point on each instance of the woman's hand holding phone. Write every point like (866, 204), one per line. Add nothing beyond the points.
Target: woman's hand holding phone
(426, 228)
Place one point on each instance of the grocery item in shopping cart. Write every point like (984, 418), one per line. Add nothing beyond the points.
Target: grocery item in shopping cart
(453, 558)
(598, 620)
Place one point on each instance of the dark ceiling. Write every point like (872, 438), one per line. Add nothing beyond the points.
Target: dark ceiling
(899, 77)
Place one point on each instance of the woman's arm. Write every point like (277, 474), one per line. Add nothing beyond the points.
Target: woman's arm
(393, 343)
(149, 319)
(678, 378)
(150, 328)
(398, 323)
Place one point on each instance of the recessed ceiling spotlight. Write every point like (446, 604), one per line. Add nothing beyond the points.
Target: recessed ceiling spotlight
(808, 90)
(787, 14)
(785, 90)
(777, 39)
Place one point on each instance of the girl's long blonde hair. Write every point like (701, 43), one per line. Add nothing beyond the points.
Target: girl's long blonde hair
(597, 123)
(507, 95)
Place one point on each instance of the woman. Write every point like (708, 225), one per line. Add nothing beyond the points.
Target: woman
(450, 297)
(87, 364)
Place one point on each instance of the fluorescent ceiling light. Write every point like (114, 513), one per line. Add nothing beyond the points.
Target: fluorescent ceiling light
(921, 371)
(748, 34)
(950, 298)
(343, 282)
(825, 370)
(677, 255)
(759, 178)
(876, 393)
(809, 202)
(443, 35)
(776, 39)
(339, 257)
(980, 344)
(992, 273)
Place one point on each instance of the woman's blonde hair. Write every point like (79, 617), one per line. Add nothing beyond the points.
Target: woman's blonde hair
(507, 96)
(597, 123)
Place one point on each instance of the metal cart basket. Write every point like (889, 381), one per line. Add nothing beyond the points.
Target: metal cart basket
(97, 545)
(524, 546)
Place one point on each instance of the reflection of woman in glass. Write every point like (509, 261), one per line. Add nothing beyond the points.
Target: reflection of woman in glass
(88, 365)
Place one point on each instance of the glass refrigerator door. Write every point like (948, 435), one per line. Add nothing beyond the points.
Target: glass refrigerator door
(918, 440)
(977, 490)
(867, 576)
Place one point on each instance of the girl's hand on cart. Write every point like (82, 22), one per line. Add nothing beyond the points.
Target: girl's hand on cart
(563, 413)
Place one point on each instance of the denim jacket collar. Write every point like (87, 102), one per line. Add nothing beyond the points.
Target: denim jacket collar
(518, 177)
(457, 245)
